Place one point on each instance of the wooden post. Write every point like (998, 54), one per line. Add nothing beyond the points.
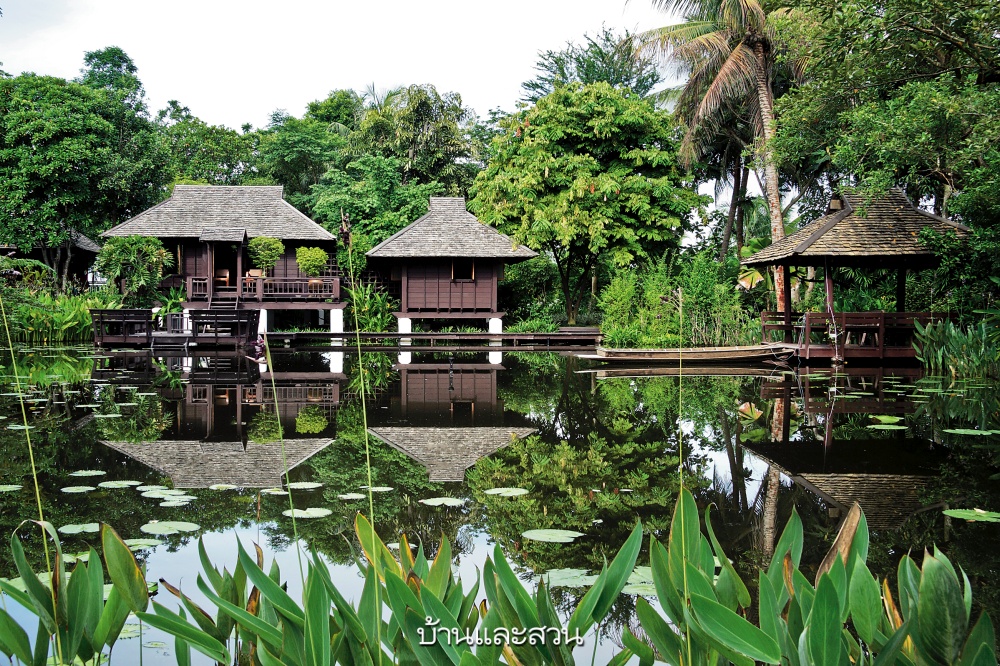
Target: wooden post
(788, 302)
(828, 281)
(239, 271)
(210, 260)
(901, 290)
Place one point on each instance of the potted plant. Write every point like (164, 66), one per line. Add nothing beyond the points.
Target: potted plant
(265, 252)
(311, 260)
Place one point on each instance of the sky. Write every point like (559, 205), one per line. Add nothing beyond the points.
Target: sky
(236, 62)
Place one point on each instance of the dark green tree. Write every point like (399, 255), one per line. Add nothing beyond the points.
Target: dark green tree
(206, 153)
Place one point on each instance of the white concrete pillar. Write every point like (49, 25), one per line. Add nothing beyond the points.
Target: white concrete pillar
(336, 326)
(405, 326)
(495, 326)
(186, 320)
(262, 323)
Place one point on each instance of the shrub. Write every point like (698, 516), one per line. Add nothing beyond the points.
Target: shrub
(137, 263)
(311, 420)
(264, 428)
(311, 260)
(265, 252)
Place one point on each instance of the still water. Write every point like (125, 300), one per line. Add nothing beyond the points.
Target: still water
(481, 454)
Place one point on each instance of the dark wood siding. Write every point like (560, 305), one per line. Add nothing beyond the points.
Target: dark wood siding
(429, 287)
(466, 396)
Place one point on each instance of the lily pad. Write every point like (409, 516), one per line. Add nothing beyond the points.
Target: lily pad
(303, 485)
(886, 426)
(222, 486)
(118, 484)
(139, 544)
(378, 489)
(175, 503)
(442, 501)
(167, 527)
(273, 491)
(88, 472)
(552, 536)
(10, 488)
(79, 529)
(351, 496)
(143, 489)
(507, 492)
(20, 427)
(107, 416)
(568, 578)
(884, 418)
(966, 431)
(78, 489)
(312, 512)
(974, 515)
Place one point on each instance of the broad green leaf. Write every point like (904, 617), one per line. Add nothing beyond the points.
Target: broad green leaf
(165, 620)
(270, 590)
(514, 590)
(124, 571)
(618, 572)
(824, 628)
(440, 574)
(941, 618)
(981, 636)
(666, 641)
(790, 542)
(375, 550)
(13, 639)
(734, 632)
(685, 536)
(317, 621)
(768, 609)
(247, 621)
(729, 587)
(865, 601)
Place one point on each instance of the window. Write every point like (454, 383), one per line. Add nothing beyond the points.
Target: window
(463, 270)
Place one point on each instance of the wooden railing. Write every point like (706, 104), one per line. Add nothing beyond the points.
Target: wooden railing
(873, 334)
(122, 326)
(262, 289)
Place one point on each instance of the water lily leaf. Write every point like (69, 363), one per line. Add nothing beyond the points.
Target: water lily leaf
(118, 484)
(167, 527)
(568, 578)
(107, 416)
(351, 496)
(966, 431)
(175, 503)
(222, 486)
(145, 488)
(442, 501)
(154, 645)
(131, 630)
(974, 515)
(552, 536)
(139, 544)
(312, 512)
(78, 489)
(641, 589)
(20, 427)
(507, 492)
(10, 488)
(273, 491)
(79, 529)
(88, 472)
(885, 418)
(378, 489)
(303, 485)
(886, 426)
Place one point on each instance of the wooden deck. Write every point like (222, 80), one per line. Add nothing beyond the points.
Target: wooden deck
(692, 355)
(562, 341)
(139, 328)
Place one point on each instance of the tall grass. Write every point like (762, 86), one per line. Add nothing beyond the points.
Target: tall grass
(947, 349)
(45, 318)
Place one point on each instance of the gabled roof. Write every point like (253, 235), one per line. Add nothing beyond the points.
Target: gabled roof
(196, 211)
(79, 241)
(449, 230)
(884, 231)
(195, 464)
(448, 452)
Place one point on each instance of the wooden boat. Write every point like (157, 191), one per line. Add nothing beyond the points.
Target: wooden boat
(693, 355)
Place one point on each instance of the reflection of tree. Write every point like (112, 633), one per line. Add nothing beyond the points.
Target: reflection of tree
(140, 419)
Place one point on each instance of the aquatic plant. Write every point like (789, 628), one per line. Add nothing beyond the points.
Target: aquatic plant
(945, 348)
(45, 318)
(371, 308)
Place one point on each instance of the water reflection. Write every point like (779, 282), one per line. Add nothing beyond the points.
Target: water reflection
(595, 451)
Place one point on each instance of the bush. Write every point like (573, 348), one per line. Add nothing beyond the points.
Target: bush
(137, 263)
(311, 420)
(311, 260)
(45, 318)
(265, 252)
(264, 428)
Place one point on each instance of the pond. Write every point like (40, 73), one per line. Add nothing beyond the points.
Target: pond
(171, 448)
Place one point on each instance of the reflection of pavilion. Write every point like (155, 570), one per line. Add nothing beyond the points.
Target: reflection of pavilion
(447, 417)
(214, 402)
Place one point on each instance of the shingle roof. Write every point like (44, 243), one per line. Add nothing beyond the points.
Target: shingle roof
(448, 452)
(195, 464)
(80, 242)
(884, 230)
(195, 210)
(449, 230)
(228, 234)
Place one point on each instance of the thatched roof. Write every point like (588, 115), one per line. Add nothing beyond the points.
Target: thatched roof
(449, 230)
(223, 213)
(883, 233)
(196, 464)
(448, 452)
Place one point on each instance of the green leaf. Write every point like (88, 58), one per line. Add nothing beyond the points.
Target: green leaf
(685, 536)
(729, 587)
(768, 609)
(13, 639)
(40, 597)
(824, 627)
(865, 601)
(790, 542)
(887, 655)
(112, 620)
(271, 590)
(440, 574)
(247, 621)
(638, 648)
(124, 571)
(666, 641)
(734, 632)
(317, 621)
(941, 618)
(165, 620)
(981, 636)
(514, 590)
(617, 574)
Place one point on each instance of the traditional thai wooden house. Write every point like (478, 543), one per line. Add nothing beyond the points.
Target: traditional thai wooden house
(207, 228)
(449, 264)
(883, 233)
(75, 257)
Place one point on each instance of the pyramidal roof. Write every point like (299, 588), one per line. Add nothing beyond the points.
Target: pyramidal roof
(449, 230)
(855, 230)
(217, 212)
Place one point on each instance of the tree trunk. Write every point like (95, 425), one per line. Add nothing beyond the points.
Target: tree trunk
(733, 205)
(740, 236)
(771, 183)
(769, 522)
(64, 277)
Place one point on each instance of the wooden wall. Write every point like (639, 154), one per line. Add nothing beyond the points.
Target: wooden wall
(428, 287)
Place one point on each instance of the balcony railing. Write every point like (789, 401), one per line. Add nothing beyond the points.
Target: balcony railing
(263, 289)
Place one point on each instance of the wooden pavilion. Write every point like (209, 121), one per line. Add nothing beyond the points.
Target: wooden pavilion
(449, 264)
(883, 233)
(207, 229)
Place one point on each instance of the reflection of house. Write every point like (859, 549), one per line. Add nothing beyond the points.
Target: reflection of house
(199, 464)
(886, 477)
(76, 255)
(449, 265)
(207, 229)
(447, 417)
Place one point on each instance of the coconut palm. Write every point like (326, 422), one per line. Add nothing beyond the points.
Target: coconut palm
(727, 48)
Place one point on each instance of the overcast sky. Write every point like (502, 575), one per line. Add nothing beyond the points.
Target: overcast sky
(236, 62)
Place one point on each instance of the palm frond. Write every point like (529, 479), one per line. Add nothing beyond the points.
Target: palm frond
(734, 80)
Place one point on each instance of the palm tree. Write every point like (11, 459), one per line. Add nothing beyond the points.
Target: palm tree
(727, 48)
